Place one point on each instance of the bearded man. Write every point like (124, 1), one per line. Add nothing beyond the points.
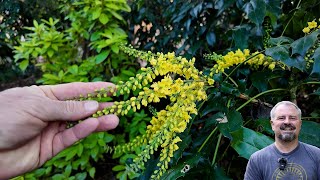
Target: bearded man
(287, 158)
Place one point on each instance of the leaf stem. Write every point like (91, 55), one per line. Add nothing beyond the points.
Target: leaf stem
(290, 19)
(216, 150)
(251, 99)
(205, 142)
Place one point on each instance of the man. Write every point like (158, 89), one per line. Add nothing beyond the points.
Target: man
(287, 158)
(33, 123)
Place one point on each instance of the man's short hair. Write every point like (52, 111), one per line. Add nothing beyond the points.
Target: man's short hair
(272, 112)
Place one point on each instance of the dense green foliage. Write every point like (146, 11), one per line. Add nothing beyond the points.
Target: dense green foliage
(231, 124)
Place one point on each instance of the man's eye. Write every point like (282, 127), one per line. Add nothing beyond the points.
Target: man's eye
(280, 118)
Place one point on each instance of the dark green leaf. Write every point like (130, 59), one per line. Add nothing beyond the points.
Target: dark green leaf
(316, 92)
(216, 103)
(219, 174)
(211, 38)
(181, 169)
(246, 141)
(80, 149)
(222, 5)
(229, 123)
(51, 76)
(256, 10)
(302, 45)
(310, 133)
(229, 89)
(260, 80)
(282, 53)
(282, 40)
(39, 172)
(240, 36)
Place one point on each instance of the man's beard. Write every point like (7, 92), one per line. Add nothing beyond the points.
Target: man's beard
(287, 137)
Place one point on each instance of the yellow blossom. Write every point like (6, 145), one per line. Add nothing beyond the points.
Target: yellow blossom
(306, 30)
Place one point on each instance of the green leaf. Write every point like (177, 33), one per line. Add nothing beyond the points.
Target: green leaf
(119, 168)
(128, 73)
(104, 19)
(256, 10)
(222, 5)
(23, 65)
(310, 133)
(94, 152)
(282, 53)
(260, 80)
(96, 13)
(67, 170)
(50, 52)
(240, 36)
(181, 169)
(102, 56)
(58, 177)
(51, 76)
(280, 40)
(115, 48)
(73, 69)
(81, 176)
(234, 122)
(216, 103)
(39, 172)
(246, 141)
(108, 138)
(211, 38)
(71, 153)
(316, 64)
(302, 45)
(95, 36)
(92, 172)
(80, 149)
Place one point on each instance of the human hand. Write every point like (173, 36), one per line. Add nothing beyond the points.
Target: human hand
(33, 123)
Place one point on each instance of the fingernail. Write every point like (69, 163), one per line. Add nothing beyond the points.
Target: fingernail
(91, 106)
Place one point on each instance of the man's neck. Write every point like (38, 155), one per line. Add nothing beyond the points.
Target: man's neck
(286, 147)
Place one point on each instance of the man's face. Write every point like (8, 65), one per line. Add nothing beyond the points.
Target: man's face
(286, 123)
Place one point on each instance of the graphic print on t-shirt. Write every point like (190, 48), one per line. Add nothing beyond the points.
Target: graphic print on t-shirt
(292, 171)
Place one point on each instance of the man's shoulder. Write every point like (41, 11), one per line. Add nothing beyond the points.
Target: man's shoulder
(263, 152)
(311, 148)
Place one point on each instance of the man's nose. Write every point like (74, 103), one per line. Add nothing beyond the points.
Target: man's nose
(287, 120)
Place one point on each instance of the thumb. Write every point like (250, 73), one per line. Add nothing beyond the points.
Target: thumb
(71, 110)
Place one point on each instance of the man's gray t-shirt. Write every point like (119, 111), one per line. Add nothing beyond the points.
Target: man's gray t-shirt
(302, 163)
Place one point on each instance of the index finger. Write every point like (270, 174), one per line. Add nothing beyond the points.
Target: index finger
(71, 90)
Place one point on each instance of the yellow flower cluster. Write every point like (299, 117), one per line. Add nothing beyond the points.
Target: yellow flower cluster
(313, 25)
(181, 83)
(234, 58)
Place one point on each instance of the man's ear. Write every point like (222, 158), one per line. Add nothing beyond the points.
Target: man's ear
(271, 122)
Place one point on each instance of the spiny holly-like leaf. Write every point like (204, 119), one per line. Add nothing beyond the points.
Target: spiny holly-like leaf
(280, 40)
(316, 64)
(256, 10)
(234, 122)
(302, 45)
(282, 53)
